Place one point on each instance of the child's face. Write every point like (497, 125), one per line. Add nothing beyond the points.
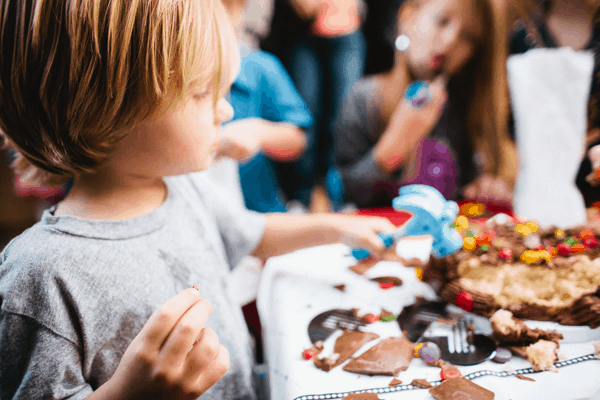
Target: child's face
(179, 142)
(443, 36)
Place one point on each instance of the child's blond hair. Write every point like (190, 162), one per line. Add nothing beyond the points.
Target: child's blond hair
(77, 75)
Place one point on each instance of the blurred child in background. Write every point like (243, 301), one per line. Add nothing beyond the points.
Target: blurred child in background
(382, 142)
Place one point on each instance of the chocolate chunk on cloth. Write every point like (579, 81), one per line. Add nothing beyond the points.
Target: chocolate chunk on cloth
(345, 346)
(460, 389)
(388, 357)
(525, 378)
(385, 314)
(395, 382)
(362, 396)
(363, 266)
(341, 288)
(421, 384)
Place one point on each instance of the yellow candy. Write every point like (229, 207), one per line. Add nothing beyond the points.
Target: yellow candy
(417, 347)
(419, 273)
(559, 234)
(530, 256)
(532, 226)
(469, 243)
(523, 229)
(461, 222)
(545, 255)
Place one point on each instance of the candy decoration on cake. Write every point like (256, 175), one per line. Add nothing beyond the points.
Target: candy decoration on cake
(502, 355)
(430, 353)
(465, 301)
(469, 243)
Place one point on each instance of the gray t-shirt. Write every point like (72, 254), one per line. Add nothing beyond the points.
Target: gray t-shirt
(358, 128)
(74, 292)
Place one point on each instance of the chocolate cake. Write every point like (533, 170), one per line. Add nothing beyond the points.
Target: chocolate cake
(344, 347)
(539, 274)
(388, 357)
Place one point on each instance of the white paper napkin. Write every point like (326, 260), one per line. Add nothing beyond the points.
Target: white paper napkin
(549, 94)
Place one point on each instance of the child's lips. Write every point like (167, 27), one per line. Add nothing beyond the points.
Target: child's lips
(438, 61)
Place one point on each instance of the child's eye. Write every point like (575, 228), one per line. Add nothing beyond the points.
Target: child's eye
(444, 21)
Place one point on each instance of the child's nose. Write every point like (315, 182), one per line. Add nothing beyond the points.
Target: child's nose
(224, 111)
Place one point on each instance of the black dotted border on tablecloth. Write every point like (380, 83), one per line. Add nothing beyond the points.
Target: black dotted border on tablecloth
(472, 375)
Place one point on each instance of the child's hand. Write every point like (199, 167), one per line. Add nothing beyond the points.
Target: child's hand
(594, 155)
(361, 232)
(489, 189)
(242, 140)
(422, 120)
(173, 357)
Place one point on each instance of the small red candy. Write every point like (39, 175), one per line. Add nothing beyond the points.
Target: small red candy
(591, 243)
(486, 238)
(450, 372)
(552, 250)
(577, 248)
(385, 285)
(586, 234)
(564, 249)
(370, 318)
(539, 248)
(465, 301)
(308, 354)
(506, 253)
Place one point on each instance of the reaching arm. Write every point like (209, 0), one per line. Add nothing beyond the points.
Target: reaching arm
(285, 233)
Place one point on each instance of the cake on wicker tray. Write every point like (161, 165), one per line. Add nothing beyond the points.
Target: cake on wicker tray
(539, 274)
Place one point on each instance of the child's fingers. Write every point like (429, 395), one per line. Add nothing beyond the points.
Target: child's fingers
(159, 325)
(185, 333)
(373, 244)
(205, 350)
(215, 370)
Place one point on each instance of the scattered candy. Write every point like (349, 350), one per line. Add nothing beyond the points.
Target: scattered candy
(577, 248)
(523, 229)
(486, 238)
(533, 227)
(546, 255)
(506, 254)
(386, 285)
(540, 248)
(430, 353)
(552, 250)
(465, 301)
(449, 372)
(564, 249)
(469, 243)
(571, 241)
(390, 318)
(419, 273)
(370, 318)
(530, 256)
(586, 234)
(591, 243)
(461, 222)
(472, 209)
(484, 247)
(417, 348)
(502, 355)
(308, 354)
(559, 234)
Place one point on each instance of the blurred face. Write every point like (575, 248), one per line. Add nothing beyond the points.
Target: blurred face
(443, 35)
(181, 141)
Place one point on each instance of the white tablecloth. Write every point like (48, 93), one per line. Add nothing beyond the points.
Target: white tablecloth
(297, 287)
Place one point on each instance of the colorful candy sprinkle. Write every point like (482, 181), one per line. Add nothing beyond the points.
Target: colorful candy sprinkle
(564, 249)
(559, 234)
(461, 222)
(430, 353)
(385, 285)
(523, 229)
(469, 243)
(591, 243)
(532, 226)
(308, 354)
(419, 273)
(370, 318)
(586, 234)
(416, 350)
(506, 254)
(484, 247)
(577, 248)
(465, 301)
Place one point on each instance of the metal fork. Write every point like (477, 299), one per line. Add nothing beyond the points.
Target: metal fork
(459, 342)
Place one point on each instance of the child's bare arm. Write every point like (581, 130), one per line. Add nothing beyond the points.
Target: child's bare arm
(285, 233)
(173, 357)
(244, 138)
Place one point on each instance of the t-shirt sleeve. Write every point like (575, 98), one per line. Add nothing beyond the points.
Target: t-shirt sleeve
(354, 150)
(241, 229)
(38, 363)
(281, 101)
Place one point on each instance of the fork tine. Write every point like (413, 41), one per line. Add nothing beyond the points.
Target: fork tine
(457, 339)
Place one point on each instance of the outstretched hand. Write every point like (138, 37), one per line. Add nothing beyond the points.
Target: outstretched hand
(362, 231)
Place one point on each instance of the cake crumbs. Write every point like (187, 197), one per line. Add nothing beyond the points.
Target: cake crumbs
(394, 382)
(341, 288)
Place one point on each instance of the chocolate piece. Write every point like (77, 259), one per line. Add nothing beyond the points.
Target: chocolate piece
(388, 279)
(508, 329)
(388, 357)
(385, 314)
(413, 262)
(460, 389)
(341, 288)
(395, 382)
(363, 266)
(326, 363)
(345, 346)
(525, 378)
(421, 383)
(362, 396)
(521, 351)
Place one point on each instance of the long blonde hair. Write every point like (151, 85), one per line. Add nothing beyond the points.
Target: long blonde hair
(77, 75)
